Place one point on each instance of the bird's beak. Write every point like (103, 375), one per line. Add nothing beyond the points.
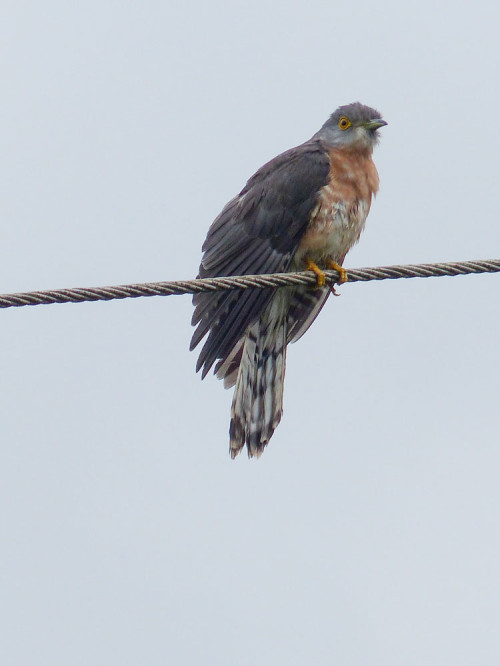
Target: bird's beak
(374, 124)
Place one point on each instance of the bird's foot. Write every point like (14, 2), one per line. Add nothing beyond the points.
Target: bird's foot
(320, 276)
(341, 271)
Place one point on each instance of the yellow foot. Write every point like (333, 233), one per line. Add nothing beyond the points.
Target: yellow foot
(341, 271)
(320, 276)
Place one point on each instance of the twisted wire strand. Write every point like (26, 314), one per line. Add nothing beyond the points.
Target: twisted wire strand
(275, 280)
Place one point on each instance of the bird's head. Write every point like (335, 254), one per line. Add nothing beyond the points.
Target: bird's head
(353, 125)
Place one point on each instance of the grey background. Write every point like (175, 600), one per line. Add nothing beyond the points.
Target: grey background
(368, 533)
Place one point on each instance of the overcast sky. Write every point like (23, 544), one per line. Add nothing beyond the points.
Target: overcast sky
(368, 532)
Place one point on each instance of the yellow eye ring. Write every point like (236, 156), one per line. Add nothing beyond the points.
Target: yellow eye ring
(344, 122)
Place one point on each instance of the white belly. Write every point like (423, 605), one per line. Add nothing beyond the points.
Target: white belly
(332, 233)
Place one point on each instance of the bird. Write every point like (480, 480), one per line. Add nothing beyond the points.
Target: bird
(304, 209)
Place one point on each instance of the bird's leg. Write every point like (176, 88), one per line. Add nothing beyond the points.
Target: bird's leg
(320, 276)
(341, 271)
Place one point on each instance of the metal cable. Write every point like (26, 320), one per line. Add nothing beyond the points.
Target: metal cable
(80, 295)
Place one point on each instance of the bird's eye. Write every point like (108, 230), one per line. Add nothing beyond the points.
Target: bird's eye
(344, 122)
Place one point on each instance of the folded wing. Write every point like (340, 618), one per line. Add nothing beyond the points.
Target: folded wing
(257, 232)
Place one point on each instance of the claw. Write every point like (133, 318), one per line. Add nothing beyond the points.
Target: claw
(320, 276)
(341, 271)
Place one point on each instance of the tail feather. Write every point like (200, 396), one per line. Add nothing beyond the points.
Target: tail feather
(258, 397)
(227, 368)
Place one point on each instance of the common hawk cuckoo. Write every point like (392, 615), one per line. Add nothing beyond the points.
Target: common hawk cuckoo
(304, 209)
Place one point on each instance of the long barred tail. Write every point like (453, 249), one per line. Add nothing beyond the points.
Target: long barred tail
(258, 396)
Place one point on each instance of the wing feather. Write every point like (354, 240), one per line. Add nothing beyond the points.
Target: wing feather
(305, 306)
(257, 232)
